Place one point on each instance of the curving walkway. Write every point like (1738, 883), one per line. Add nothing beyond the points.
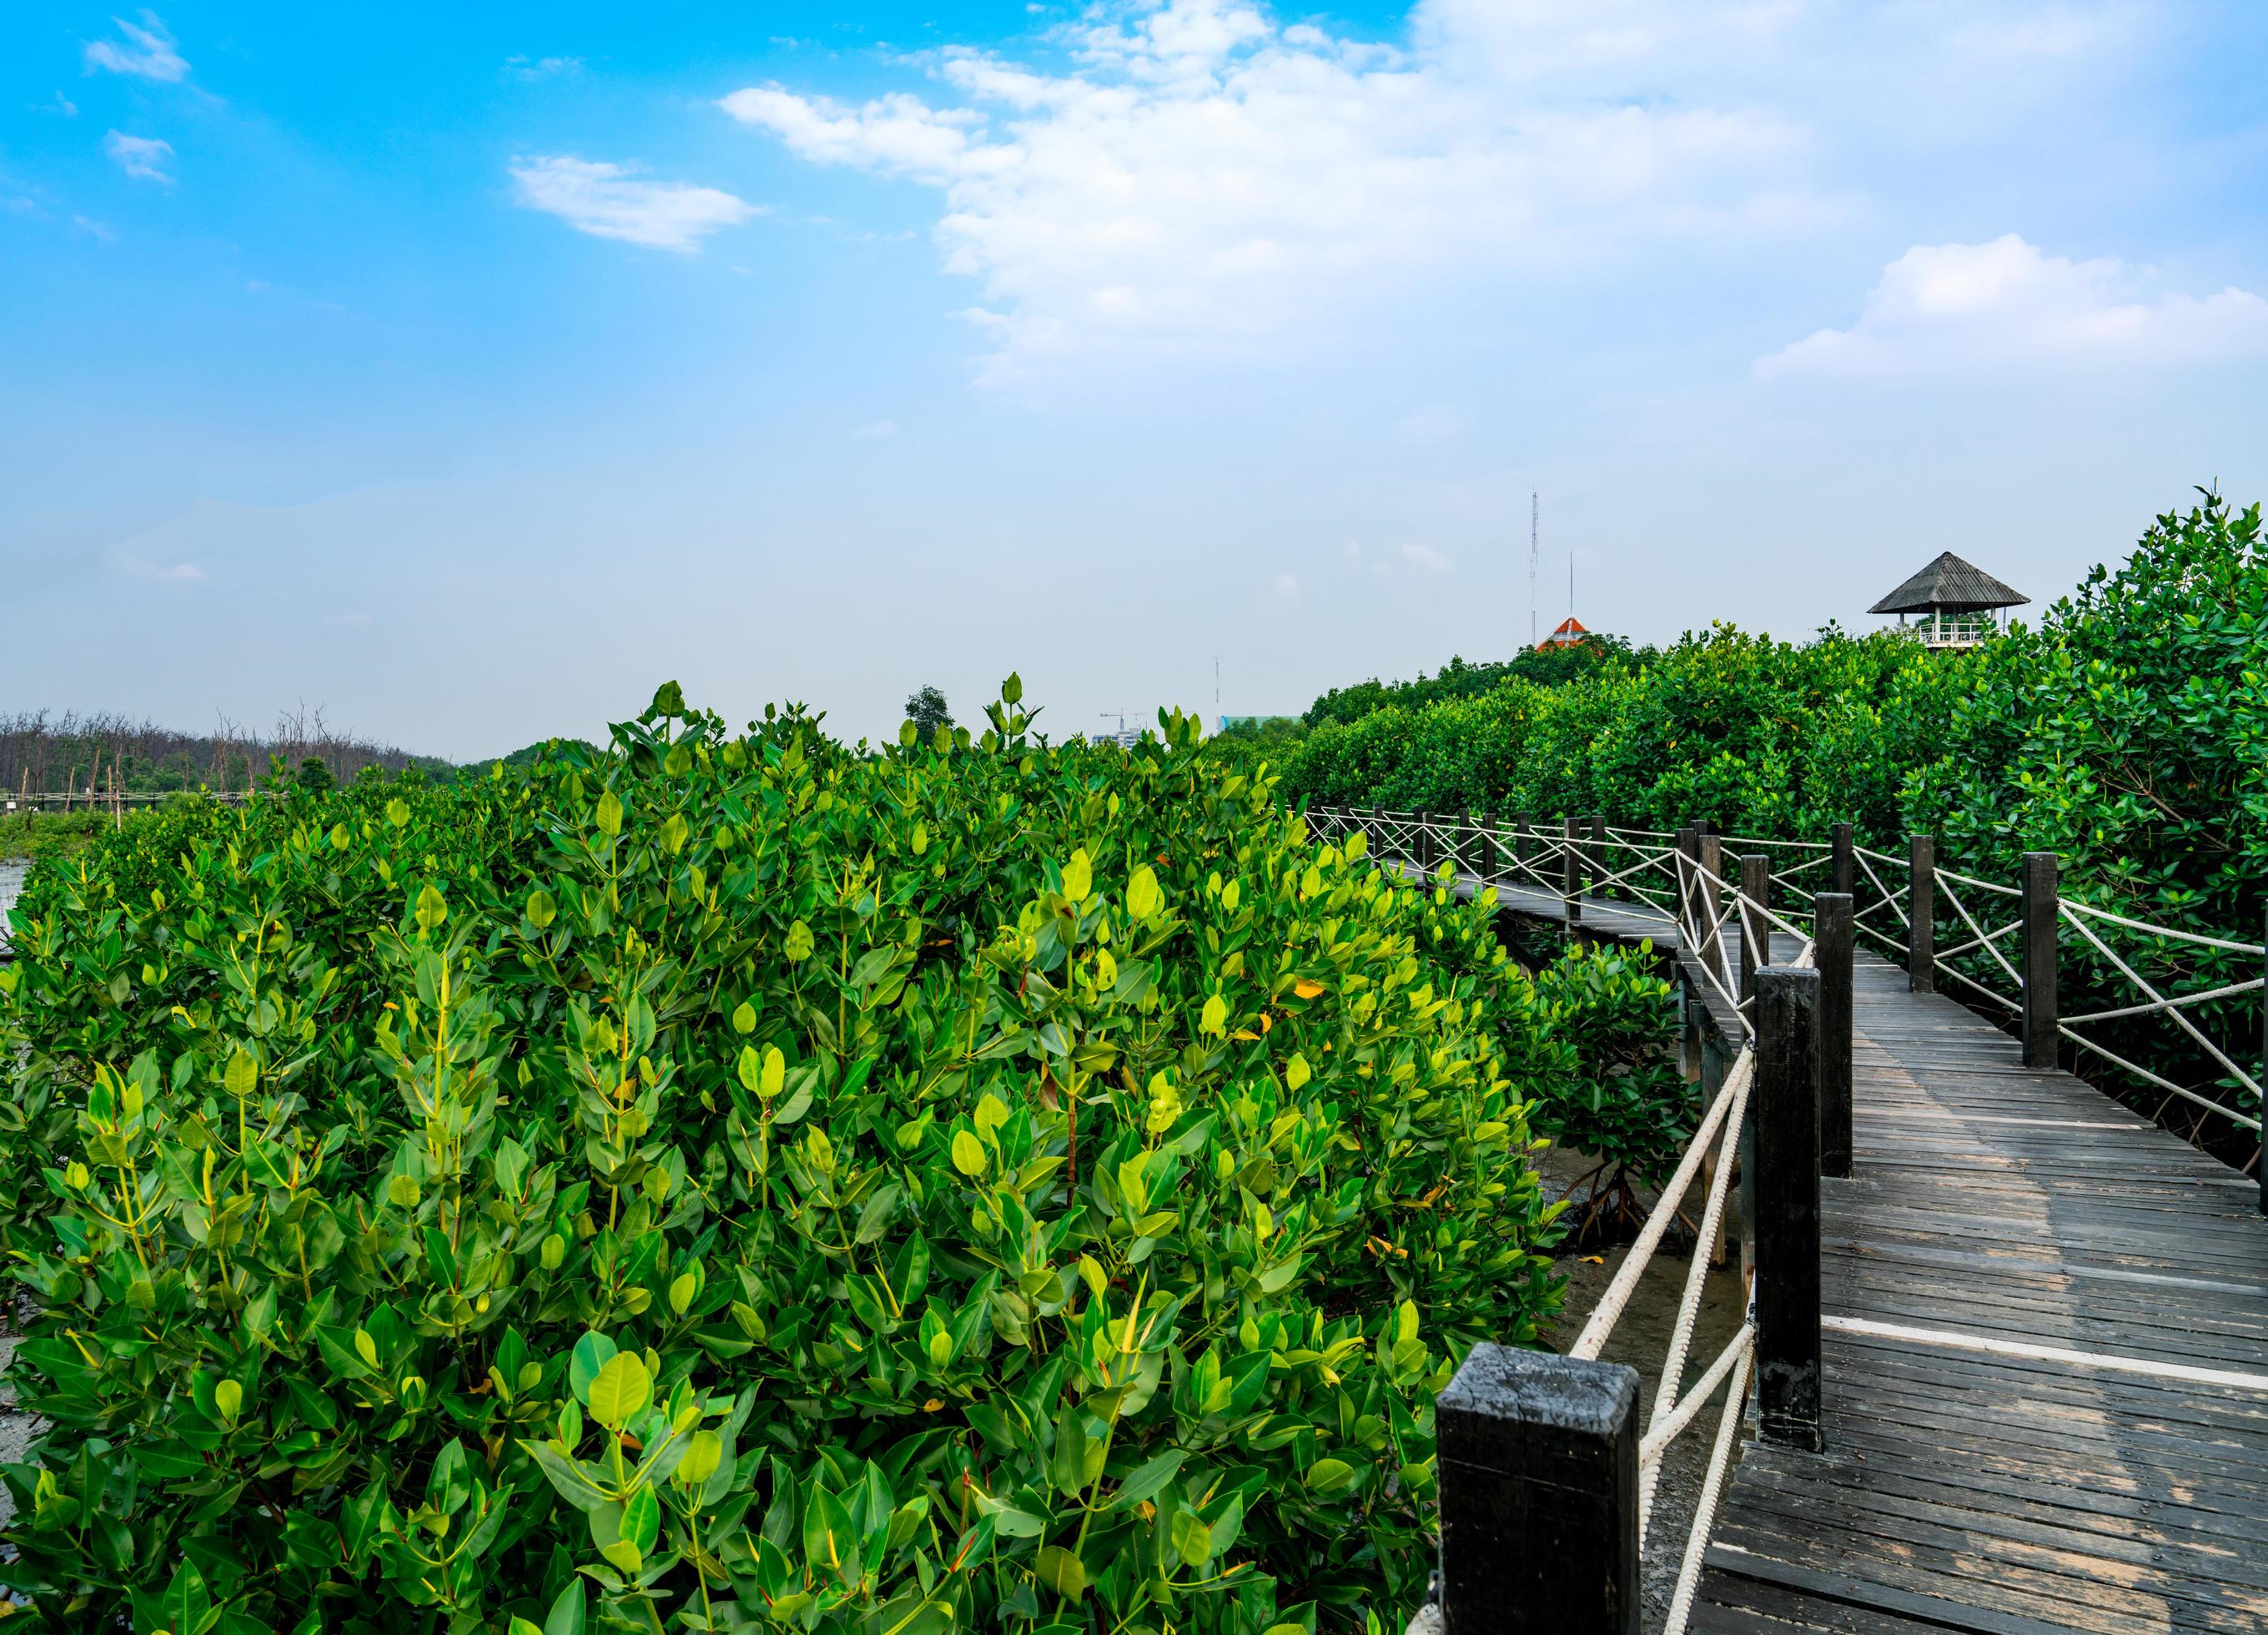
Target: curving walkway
(2046, 1356)
(2046, 1365)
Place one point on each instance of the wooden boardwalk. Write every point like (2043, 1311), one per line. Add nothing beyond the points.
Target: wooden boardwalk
(2121, 1486)
(2046, 1334)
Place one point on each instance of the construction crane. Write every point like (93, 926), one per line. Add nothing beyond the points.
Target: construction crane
(1122, 736)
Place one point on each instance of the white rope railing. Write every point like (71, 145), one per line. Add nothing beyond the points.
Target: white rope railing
(1989, 946)
(1685, 883)
(2168, 1009)
(1713, 1487)
(2092, 912)
(1604, 1315)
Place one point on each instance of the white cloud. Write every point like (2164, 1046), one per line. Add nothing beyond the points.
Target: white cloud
(1957, 309)
(614, 201)
(1164, 178)
(1206, 175)
(1426, 557)
(541, 67)
(876, 431)
(61, 105)
(147, 52)
(126, 565)
(143, 157)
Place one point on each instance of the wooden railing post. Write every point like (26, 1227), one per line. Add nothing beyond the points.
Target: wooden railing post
(1921, 906)
(2040, 928)
(1844, 869)
(1570, 869)
(1756, 930)
(1486, 864)
(1707, 903)
(1834, 930)
(1787, 1097)
(1538, 1479)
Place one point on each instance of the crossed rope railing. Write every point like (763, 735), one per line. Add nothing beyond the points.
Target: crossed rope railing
(1983, 961)
(1703, 906)
(1702, 926)
(1981, 967)
(1719, 920)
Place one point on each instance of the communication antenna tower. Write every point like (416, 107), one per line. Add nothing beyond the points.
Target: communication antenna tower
(1534, 512)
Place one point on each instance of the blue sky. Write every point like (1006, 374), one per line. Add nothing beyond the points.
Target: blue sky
(470, 370)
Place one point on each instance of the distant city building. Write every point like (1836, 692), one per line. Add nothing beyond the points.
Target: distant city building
(1571, 633)
(1954, 603)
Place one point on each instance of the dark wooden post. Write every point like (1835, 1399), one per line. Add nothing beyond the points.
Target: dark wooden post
(1539, 1495)
(1422, 842)
(1786, 1095)
(1486, 862)
(1844, 869)
(1570, 869)
(1921, 905)
(1833, 930)
(1756, 930)
(2040, 930)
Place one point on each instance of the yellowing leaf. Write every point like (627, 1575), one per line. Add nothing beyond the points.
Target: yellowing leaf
(1296, 1071)
(542, 911)
(1307, 988)
(703, 1455)
(799, 942)
(610, 813)
(775, 1074)
(744, 1021)
(228, 1396)
(432, 908)
(1144, 898)
(243, 1074)
(621, 1390)
(969, 1155)
(1215, 1019)
(1079, 876)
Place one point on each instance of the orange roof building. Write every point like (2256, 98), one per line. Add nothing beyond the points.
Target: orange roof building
(1570, 633)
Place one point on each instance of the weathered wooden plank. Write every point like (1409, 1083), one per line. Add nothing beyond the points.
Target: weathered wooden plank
(1967, 1491)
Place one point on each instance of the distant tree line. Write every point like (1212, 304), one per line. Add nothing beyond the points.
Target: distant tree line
(1543, 666)
(45, 753)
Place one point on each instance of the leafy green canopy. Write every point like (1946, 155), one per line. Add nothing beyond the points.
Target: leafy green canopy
(2127, 733)
(1768, 738)
(725, 1184)
(1545, 666)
